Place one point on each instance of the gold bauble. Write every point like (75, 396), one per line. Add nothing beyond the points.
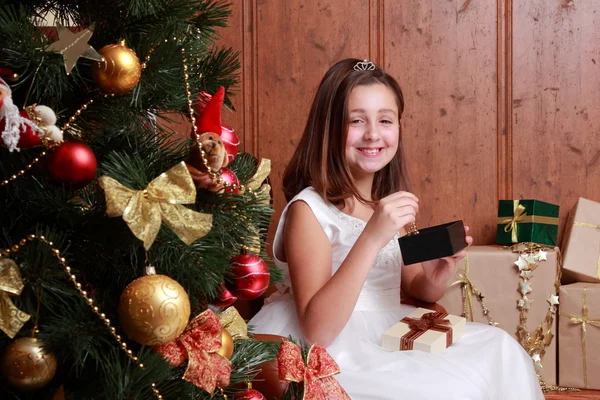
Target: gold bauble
(120, 71)
(226, 349)
(26, 366)
(154, 310)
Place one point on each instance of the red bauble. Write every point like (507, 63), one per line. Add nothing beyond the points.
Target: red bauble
(230, 179)
(231, 141)
(251, 276)
(251, 394)
(224, 297)
(73, 163)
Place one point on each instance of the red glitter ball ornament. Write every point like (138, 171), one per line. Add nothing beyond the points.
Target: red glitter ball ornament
(251, 276)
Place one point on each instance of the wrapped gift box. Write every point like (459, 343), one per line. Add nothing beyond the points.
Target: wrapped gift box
(424, 330)
(581, 243)
(435, 242)
(490, 273)
(527, 221)
(579, 334)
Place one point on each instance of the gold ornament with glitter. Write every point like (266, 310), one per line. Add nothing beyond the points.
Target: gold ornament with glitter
(26, 365)
(74, 45)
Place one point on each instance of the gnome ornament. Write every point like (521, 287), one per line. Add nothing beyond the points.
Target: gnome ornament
(209, 130)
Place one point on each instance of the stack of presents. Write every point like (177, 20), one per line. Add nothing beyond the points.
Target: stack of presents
(547, 298)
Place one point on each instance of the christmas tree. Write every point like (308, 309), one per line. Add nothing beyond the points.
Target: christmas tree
(126, 241)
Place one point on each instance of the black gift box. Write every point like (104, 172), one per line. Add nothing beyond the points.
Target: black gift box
(435, 242)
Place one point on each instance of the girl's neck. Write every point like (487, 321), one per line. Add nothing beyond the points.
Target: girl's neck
(364, 185)
(355, 208)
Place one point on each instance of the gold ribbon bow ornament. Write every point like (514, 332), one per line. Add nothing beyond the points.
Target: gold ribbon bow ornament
(11, 283)
(317, 373)
(162, 200)
(234, 323)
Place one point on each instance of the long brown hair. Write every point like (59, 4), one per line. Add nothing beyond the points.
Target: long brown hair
(320, 159)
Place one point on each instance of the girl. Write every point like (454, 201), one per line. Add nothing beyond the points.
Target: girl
(337, 243)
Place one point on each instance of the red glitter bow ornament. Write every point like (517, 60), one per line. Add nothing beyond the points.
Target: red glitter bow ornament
(317, 373)
(199, 344)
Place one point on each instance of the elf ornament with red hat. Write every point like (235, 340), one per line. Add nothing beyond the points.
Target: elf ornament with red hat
(218, 142)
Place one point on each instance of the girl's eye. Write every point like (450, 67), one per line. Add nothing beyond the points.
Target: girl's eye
(355, 121)
(386, 121)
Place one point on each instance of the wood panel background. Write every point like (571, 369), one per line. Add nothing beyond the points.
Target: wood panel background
(503, 97)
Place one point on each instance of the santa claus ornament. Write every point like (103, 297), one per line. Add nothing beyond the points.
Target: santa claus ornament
(26, 128)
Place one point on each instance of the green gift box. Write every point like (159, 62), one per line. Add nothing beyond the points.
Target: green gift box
(527, 221)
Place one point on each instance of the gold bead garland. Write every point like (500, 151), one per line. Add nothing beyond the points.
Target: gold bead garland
(90, 301)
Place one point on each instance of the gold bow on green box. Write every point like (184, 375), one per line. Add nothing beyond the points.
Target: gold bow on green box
(162, 200)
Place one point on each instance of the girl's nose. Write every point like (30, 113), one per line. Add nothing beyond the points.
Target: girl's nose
(371, 133)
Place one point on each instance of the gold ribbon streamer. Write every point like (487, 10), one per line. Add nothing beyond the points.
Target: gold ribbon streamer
(145, 210)
(262, 171)
(583, 224)
(583, 320)
(11, 283)
(234, 323)
(469, 290)
(521, 217)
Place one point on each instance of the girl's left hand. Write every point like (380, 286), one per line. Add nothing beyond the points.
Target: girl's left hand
(439, 271)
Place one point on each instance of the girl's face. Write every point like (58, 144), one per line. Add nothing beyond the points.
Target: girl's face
(373, 129)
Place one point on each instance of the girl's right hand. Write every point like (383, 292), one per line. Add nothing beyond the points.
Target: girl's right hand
(392, 213)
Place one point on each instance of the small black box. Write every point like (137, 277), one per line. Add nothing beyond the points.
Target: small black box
(435, 242)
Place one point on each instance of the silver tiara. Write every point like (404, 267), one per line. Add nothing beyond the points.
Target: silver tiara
(364, 66)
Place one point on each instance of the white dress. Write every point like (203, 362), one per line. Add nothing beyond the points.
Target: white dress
(485, 364)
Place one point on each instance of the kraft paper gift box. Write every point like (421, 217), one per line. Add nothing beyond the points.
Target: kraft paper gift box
(581, 243)
(492, 273)
(417, 332)
(579, 336)
(527, 221)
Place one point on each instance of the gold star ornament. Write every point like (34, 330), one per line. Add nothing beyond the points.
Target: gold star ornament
(74, 45)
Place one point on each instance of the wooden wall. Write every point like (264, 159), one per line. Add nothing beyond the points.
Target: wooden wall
(503, 97)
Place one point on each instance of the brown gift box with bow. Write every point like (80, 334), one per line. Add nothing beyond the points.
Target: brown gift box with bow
(579, 333)
(490, 272)
(581, 243)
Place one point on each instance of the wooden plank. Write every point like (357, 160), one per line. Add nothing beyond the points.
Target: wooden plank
(556, 106)
(444, 56)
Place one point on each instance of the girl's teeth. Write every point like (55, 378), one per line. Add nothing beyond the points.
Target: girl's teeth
(371, 151)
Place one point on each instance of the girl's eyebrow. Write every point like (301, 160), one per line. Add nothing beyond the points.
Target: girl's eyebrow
(361, 110)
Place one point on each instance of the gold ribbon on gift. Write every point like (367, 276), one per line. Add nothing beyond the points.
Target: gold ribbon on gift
(597, 227)
(469, 290)
(234, 323)
(521, 217)
(162, 200)
(11, 283)
(584, 320)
